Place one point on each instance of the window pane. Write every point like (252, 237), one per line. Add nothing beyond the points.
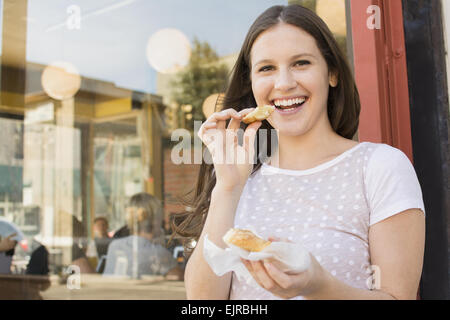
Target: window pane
(91, 92)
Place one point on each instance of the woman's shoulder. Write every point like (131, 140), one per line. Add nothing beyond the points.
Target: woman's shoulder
(391, 182)
(382, 153)
(386, 161)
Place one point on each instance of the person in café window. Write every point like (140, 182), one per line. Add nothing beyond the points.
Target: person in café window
(101, 237)
(143, 252)
(79, 246)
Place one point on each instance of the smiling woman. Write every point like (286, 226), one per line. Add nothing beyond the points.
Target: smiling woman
(76, 146)
(338, 198)
(277, 80)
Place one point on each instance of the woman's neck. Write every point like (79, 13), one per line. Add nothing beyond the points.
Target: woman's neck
(309, 150)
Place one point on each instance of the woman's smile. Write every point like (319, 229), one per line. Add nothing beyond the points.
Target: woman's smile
(289, 106)
(290, 73)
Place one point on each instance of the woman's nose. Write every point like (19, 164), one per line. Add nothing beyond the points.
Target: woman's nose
(285, 81)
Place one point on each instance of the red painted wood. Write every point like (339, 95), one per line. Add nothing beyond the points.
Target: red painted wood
(381, 74)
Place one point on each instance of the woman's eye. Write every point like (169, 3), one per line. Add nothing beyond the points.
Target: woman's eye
(265, 68)
(302, 63)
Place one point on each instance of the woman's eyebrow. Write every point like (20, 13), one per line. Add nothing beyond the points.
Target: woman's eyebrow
(263, 61)
(303, 55)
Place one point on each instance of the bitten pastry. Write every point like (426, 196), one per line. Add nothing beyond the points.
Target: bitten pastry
(259, 114)
(245, 239)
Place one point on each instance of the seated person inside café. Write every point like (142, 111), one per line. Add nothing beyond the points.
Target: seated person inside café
(101, 237)
(79, 246)
(143, 252)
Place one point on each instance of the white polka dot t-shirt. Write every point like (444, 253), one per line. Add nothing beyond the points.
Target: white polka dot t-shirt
(329, 208)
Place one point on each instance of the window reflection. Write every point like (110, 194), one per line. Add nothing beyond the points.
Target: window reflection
(90, 94)
(143, 251)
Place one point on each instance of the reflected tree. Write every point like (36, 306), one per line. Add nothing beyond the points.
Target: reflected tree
(310, 4)
(204, 75)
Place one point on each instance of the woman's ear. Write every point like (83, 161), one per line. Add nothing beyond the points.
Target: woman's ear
(333, 79)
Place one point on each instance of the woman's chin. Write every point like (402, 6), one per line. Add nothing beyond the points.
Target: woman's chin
(292, 134)
(288, 129)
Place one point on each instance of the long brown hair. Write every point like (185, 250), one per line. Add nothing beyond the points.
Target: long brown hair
(343, 103)
(145, 214)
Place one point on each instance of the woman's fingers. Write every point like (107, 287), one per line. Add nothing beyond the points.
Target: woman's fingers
(248, 264)
(216, 125)
(220, 118)
(280, 278)
(270, 278)
(235, 122)
(224, 115)
(218, 121)
(249, 138)
(260, 274)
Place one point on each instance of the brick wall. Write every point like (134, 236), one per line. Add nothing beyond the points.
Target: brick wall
(178, 180)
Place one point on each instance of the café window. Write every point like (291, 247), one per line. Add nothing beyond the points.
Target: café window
(91, 92)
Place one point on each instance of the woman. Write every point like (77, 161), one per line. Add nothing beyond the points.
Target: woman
(356, 207)
(143, 252)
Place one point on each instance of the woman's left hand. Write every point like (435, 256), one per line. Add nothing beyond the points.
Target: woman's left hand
(285, 285)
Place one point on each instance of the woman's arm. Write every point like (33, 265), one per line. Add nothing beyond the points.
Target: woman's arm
(200, 281)
(396, 248)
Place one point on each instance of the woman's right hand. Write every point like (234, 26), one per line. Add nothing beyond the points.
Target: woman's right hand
(233, 163)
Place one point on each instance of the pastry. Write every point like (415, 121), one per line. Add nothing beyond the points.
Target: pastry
(245, 239)
(259, 114)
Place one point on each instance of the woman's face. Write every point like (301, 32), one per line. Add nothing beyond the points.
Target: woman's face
(289, 71)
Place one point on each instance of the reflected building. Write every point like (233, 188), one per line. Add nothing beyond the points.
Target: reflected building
(83, 156)
(77, 145)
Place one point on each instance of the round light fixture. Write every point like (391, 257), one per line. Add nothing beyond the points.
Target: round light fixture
(168, 50)
(61, 80)
(209, 105)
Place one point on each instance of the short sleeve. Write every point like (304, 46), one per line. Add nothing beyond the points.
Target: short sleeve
(391, 184)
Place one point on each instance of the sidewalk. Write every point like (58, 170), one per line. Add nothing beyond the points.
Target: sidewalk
(96, 287)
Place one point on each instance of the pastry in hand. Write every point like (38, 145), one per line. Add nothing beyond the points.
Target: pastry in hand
(259, 114)
(245, 239)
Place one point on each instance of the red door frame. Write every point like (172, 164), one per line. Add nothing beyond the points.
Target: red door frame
(381, 74)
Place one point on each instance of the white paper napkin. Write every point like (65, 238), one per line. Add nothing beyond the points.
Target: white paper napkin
(288, 257)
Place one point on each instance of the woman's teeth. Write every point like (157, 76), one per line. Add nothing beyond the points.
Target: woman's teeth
(289, 103)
